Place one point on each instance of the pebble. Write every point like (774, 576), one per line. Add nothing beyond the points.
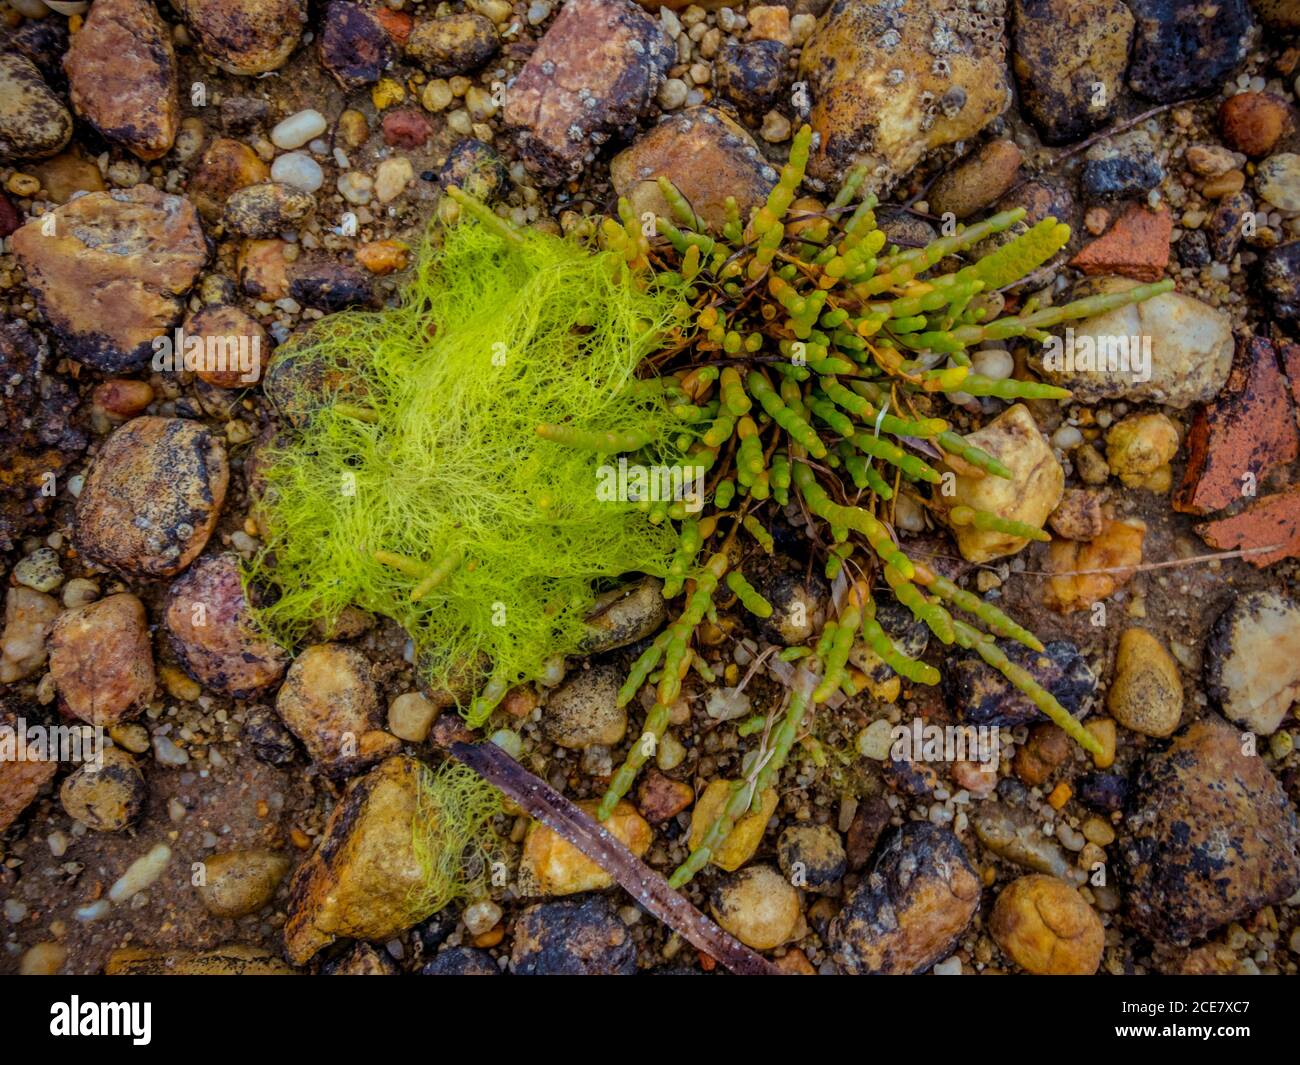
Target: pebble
(410, 716)
(141, 873)
(993, 362)
(298, 129)
(299, 170)
(1253, 122)
(672, 94)
(106, 797)
(1278, 181)
(391, 178)
(40, 570)
(355, 187)
(1045, 926)
(758, 906)
(240, 882)
(482, 916)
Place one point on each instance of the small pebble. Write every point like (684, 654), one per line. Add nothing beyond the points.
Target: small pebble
(298, 129)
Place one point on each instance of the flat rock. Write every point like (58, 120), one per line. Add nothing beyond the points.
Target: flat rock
(122, 76)
(572, 938)
(1252, 660)
(978, 694)
(245, 36)
(595, 71)
(891, 81)
(706, 155)
(111, 276)
(1211, 836)
(152, 496)
(1235, 441)
(1069, 58)
(907, 912)
(1186, 48)
(1191, 347)
(34, 123)
(212, 632)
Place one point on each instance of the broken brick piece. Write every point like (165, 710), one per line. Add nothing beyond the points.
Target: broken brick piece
(1291, 364)
(1136, 246)
(1250, 430)
(1272, 522)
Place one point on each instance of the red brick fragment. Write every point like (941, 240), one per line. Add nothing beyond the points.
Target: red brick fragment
(1250, 430)
(1273, 522)
(1136, 246)
(398, 23)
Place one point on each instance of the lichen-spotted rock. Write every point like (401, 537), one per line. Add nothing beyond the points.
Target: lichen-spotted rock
(595, 72)
(245, 36)
(1211, 836)
(893, 79)
(33, 122)
(152, 496)
(108, 271)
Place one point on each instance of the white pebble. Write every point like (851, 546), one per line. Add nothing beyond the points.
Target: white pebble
(993, 362)
(297, 130)
(482, 917)
(141, 873)
(168, 753)
(1066, 437)
(948, 967)
(299, 170)
(356, 187)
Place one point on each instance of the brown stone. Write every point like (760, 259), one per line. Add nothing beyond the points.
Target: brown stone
(595, 71)
(225, 167)
(1253, 122)
(1073, 586)
(706, 155)
(977, 181)
(245, 36)
(236, 346)
(109, 277)
(122, 76)
(1235, 441)
(233, 960)
(1047, 928)
(66, 174)
(20, 781)
(101, 659)
(152, 496)
(212, 632)
(659, 797)
(1211, 836)
(1136, 246)
(329, 701)
(355, 46)
(364, 881)
(1079, 516)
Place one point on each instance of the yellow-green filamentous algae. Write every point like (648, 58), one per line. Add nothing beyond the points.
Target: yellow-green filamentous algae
(409, 477)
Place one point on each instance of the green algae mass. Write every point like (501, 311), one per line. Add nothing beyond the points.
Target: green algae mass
(409, 477)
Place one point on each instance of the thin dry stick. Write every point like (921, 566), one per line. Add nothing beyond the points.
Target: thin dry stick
(545, 804)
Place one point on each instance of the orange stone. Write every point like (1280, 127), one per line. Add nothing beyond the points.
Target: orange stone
(1136, 246)
(1234, 442)
(1272, 522)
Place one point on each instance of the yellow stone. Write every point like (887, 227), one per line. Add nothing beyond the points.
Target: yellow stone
(745, 837)
(1032, 492)
(551, 865)
(387, 93)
